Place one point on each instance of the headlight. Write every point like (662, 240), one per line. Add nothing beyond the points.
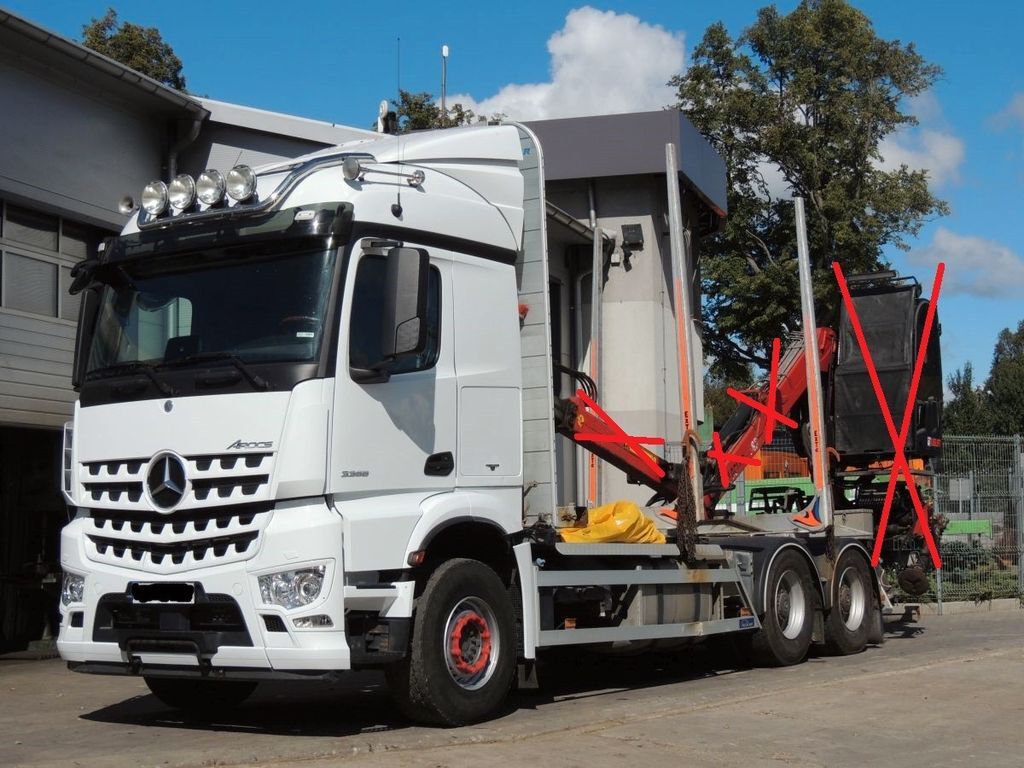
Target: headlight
(241, 183)
(154, 198)
(210, 187)
(292, 589)
(182, 192)
(73, 589)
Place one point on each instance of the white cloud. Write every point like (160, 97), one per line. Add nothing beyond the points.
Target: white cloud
(778, 187)
(602, 62)
(974, 266)
(1013, 113)
(931, 146)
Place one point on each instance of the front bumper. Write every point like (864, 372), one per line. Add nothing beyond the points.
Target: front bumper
(260, 640)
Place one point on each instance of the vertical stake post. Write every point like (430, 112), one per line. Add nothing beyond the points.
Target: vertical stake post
(812, 363)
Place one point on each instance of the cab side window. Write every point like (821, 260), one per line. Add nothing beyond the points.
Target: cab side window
(365, 326)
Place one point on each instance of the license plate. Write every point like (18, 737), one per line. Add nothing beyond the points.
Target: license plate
(162, 592)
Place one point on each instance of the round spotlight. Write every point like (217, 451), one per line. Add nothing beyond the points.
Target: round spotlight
(210, 187)
(351, 168)
(154, 198)
(241, 183)
(127, 205)
(182, 192)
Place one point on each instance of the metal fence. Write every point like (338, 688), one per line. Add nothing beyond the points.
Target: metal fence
(980, 492)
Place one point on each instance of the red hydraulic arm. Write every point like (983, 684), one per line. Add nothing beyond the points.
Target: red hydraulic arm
(745, 440)
(581, 420)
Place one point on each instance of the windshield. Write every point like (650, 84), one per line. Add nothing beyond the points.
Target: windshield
(256, 308)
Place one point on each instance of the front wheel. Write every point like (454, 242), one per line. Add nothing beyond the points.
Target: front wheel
(849, 620)
(200, 698)
(463, 652)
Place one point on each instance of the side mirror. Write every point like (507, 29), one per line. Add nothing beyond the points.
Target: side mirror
(83, 339)
(404, 330)
(81, 275)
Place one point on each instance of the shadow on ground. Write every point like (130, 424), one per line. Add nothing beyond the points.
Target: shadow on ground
(360, 703)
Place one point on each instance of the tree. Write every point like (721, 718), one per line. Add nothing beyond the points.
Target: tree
(141, 48)
(1004, 388)
(967, 412)
(806, 97)
(417, 111)
(722, 405)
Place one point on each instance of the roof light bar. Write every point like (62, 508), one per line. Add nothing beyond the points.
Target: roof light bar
(182, 192)
(154, 198)
(241, 183)
(210, 187)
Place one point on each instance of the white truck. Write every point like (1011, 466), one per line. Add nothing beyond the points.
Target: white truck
(315, 434)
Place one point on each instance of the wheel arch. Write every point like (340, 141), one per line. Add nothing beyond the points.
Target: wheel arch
(470, 537)
(763, 571)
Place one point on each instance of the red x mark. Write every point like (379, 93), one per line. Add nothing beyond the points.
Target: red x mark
(725, 459)
(768, 407)
(618, 435)
(900, 465)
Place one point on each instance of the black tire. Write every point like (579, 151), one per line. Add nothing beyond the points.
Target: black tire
(788, 619)
(200, 698)
(876, 636)
(849, 621)
(440, 682)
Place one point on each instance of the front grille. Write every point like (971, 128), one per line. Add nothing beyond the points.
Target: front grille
(194, 628)
(177, 542)
(214, 480)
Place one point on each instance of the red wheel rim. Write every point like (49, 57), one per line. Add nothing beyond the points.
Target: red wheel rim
(472, 631)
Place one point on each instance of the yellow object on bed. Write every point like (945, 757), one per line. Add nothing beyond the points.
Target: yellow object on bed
(622, 522)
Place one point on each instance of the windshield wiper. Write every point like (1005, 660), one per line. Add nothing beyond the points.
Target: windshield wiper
(229, 357)
(132, 367)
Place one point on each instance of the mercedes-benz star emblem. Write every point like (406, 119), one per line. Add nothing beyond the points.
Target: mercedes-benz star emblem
(166, 481)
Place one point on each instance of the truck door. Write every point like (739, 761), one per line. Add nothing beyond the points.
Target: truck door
(394, 436)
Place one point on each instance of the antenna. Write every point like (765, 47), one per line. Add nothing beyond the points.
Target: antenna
(444, 86)
(396, 208)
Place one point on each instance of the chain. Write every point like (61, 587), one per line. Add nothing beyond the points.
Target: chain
(686, 512)
(830, 543)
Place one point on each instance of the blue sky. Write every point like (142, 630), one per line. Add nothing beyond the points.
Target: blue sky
(335, 61)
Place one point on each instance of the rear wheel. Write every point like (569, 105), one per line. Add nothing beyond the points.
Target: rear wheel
(788, 620)
(463, 652)
(202, 698)
(849, 620)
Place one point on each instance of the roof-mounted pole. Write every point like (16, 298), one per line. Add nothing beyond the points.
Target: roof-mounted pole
(444, 86)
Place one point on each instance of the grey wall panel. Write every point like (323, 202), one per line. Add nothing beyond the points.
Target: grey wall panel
(16, 417)
(38, 379)
(71, 150)
(628, 144)
(224, 146)
(13, 362)
(30, 285)
(35, 370)
(35, 325)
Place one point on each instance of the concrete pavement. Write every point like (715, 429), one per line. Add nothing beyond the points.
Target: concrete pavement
(947, 691)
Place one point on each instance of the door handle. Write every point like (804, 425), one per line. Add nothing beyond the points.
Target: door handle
(439, 465)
